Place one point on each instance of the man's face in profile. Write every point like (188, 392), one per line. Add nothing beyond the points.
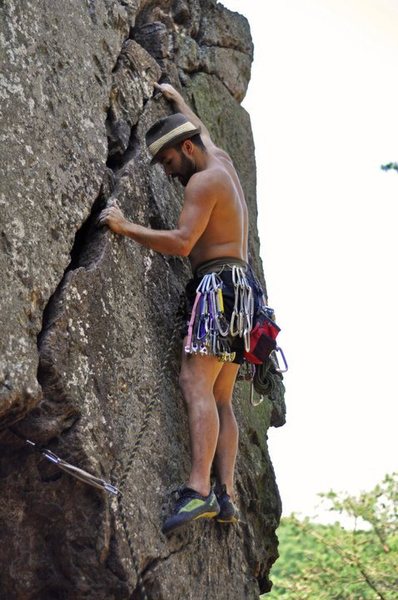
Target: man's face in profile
(177, 163)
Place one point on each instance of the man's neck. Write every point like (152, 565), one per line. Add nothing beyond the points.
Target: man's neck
(202, 160)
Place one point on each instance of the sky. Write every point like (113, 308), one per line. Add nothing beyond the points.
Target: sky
(323, 101)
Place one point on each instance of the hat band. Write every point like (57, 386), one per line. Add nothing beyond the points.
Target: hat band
(167, 137)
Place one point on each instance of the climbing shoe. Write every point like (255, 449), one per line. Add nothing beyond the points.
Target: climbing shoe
(190, 506)
(228, 511)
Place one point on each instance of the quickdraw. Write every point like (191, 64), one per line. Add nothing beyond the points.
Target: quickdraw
(76, 472)
(242, 314)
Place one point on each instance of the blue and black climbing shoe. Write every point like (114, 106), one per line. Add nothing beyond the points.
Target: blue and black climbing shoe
(190, 506)
(229, 513)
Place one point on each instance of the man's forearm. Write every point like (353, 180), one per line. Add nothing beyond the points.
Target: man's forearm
(172, 242)
(165, 241)
(179, 104)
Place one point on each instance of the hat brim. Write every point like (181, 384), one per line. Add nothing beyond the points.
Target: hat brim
(178, 138)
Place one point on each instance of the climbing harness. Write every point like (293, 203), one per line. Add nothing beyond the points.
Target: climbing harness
(208, 330)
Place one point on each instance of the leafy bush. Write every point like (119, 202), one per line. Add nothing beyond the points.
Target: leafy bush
(330, 562)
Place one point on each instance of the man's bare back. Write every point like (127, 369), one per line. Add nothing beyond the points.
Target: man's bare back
(226, 231)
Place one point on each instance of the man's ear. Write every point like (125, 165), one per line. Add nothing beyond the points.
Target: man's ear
(187, 145)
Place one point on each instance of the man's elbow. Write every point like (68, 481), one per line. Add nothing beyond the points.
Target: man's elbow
(185, 249)
(185, 246)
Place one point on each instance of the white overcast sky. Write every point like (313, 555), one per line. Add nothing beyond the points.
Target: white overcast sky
(323, 101)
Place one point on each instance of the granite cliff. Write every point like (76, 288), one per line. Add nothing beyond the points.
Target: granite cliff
(86, 316)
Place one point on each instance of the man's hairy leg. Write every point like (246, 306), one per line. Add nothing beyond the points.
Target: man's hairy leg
(227, 446)
(197, 378)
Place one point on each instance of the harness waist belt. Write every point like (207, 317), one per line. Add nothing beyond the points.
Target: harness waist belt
(226, 262)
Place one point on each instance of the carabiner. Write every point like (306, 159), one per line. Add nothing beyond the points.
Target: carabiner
(246, 338)
(274, 355)
(252, 402)
(234, 332)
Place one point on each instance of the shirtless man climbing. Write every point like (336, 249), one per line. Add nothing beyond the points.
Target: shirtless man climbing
(212, 231)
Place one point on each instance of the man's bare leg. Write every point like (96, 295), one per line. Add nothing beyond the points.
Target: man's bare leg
(197, 378)
(227, 446)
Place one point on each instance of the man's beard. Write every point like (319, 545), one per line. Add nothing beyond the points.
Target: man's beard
(187, 169)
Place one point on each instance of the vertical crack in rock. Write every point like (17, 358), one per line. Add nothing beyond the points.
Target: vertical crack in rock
(56, 412)
(86, 252)
(132, 86)
(120, 155)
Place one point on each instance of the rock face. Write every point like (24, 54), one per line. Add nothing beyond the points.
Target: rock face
(87, 317)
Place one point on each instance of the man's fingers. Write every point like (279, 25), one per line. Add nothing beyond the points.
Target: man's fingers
(159, 92)
(110, 214)
(158, 89)
(112, 209)
(111, 217)
(166, 89)
(101, 221)
(103, 216)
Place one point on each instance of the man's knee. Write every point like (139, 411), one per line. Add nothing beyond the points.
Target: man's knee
(195, 385)
(190, 385)
(223, 401)
(223, 396)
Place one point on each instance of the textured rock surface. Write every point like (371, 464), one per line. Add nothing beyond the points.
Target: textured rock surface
(86, 317)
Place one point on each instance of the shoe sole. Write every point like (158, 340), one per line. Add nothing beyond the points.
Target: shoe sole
(205, 515)
(230, 520)
(208, 515)
(229, 513)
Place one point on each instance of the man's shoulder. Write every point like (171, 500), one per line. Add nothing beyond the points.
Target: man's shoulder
(220, 153)
(207, 181)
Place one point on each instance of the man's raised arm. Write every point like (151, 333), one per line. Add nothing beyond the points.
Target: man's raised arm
(179, 104)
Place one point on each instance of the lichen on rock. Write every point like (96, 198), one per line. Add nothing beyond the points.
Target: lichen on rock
(86, 316)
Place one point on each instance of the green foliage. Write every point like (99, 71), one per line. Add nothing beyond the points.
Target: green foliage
(330, 562)
(390, 166)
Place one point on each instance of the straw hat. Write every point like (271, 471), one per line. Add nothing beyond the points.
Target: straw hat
(169, 131)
